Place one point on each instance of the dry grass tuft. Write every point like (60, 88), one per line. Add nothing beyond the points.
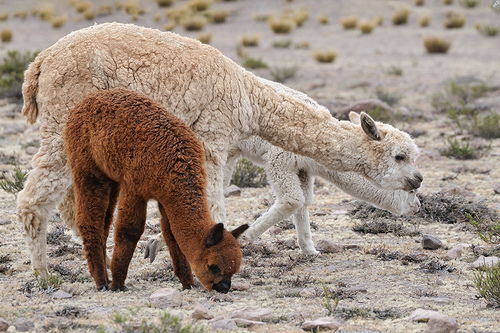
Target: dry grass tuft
(487, 30)
(447, 2)
(81, 7)
(22, 14)
(205, 38)
(4, 16)
(349, 22)
(322, 19)
(219, 16)
(436, 44)
(164, 3)
(194, 22)
(424, 19)
(58, 22)
(89, 15)
(400, 16)
(454, 20)
(282, 25)
(419, 2)
(469, 3)
(247, 40)
(199, 5)
(6, 35)
(325, 56)
(367, 26)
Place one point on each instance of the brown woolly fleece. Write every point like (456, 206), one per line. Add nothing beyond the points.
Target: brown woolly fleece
(122, 146)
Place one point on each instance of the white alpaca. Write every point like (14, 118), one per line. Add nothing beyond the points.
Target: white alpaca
(221, 102)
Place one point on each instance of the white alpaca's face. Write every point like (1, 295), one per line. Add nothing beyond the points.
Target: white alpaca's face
(391, 157)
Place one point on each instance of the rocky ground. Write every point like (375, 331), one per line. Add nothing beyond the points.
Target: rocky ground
(373, 272)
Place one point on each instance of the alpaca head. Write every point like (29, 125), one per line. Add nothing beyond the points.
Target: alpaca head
(390, 158)
(221, 258)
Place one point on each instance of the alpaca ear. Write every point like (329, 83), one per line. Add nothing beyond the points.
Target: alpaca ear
(370, 128)
(354, 117)
(215, 235)
(238, 231)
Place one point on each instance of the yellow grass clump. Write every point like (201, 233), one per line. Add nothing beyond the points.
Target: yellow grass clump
(194, 22)
(400, 16)
(22, 14)
(199, 5)
(419, 2)
(349, 22)
(322, 19)
(58, 22)
(105, 10)
(219, 16)
(89, 14)
(447, 2)
(282, 25)
(436, 44)
(325, 56)
(424, 19)
(453, 20)
(81, 7)
(205, 38)
(247, 40)
(6, 35)
(4, 16)
(169, 26)
(164, 3)
(367, 26)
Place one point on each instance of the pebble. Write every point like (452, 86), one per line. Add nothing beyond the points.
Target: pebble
(239, 286)
(435, 300)
(223, 324)
(232, 191)
(31, 150)
(61, 294)
(4, 325)
(430, 242)
(166, 297)
(307, 293)
(436, 321)
(327, 246)
(24, 325)
(254, 313)
(321, 324)
(201, 313)
(485, 261)
(251, 324)
(496, 189)
(454, 253)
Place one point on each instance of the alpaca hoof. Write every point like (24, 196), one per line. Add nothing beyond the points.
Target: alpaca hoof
(150, 250)
(103, 287)
(311, 253)
(118, 289)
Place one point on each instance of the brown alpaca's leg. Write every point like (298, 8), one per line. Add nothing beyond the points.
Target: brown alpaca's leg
(93, 195)
(182, 269)
(128, 230)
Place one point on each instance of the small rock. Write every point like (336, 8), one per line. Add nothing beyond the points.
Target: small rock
(31, 150)
(232, 191)
(351, 247)
(485, 261)
(251, 324)
(4, 325)
(253, 313)
(239, 286)
(321, 213)
(430, 242)
(340, 212)
(441, 324)
(177, 313)
(327, 246)
(454, 253)
(321, 324)
(496, 189)
(5, 222)
(201, 312)
(61, 294)
(358, 289)
(23, 325)
(166, 297)
(275, 231)
(223, 324)
(307, 293)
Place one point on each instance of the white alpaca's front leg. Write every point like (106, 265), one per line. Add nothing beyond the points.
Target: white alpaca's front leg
(301, 216)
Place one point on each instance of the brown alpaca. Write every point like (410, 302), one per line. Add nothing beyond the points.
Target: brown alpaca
(123, 147)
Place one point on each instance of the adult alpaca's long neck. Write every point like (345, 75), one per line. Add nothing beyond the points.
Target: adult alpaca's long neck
(297, 126)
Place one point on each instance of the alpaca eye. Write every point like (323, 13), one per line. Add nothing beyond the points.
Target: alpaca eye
(214, 269)
(400, 158)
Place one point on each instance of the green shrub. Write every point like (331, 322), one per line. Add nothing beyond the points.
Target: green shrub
(366, 26)
(386, 96)
(487, 30)
(254, 63)
(469, 120)
(248, 175)
(424, 19)
(458, 93)
(282, 73)
(282, 44)
(463, 149)
(167, 323)
(469, 3)
(395, 70)
(323, 19)
(12, 74)
(15, 182)
(205, 38)
(487, 282)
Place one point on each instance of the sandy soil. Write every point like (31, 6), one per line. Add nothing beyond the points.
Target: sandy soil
(376, 295)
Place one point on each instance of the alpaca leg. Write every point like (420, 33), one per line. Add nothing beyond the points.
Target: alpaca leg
(67, 210)
(301, 216)
(215, 190)
(153, 246)
(182, 269)
(41, 194)
(94, 195)
(128, 230)
(289, 198)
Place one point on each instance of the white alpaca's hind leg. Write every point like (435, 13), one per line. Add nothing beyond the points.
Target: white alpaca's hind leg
(301, 216)
(42, 192)
(67, 210)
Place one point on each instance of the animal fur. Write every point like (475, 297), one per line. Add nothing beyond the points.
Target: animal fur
(123, 146)
(218, 99)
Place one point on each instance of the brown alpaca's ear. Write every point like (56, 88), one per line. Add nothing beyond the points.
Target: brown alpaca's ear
(370, 128)
(238, 231)
(215, 235)
(354, 117)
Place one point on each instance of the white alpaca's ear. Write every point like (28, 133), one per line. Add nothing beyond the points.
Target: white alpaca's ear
(369, 127)
(354, 117)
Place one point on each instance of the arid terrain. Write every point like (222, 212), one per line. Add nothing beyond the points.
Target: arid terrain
(378, 275)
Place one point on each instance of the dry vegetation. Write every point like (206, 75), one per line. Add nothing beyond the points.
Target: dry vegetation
(450, 104)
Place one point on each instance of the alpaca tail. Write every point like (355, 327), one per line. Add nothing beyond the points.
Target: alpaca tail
(30, 89)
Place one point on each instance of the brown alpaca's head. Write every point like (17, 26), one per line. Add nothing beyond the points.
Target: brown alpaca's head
(221, 258)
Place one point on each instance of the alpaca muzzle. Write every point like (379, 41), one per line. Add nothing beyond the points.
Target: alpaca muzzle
(415, 182)
(223, 286)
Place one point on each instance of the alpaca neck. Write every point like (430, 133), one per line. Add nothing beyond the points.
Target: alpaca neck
(305, 129)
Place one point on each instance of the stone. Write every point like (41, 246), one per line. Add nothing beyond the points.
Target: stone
(430, 242)
(436, 321)
(307, 293)
(200, 312)
(232, 191)
(327, 246)
(321, 324)
(454, 253)
(61, 294)
(321, 213)
(239, 286)
(24, 325)
(496, 189)
(165, 298)
(31, 150)
(435, 300)
(485, 261)
(254, 313)
(223, 324)
(275, 231)
(177, 313)
(4, 325)
(421, 315)
(251, 324)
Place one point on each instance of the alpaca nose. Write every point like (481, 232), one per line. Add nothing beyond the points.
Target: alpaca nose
(416, 181)
(223, 286)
